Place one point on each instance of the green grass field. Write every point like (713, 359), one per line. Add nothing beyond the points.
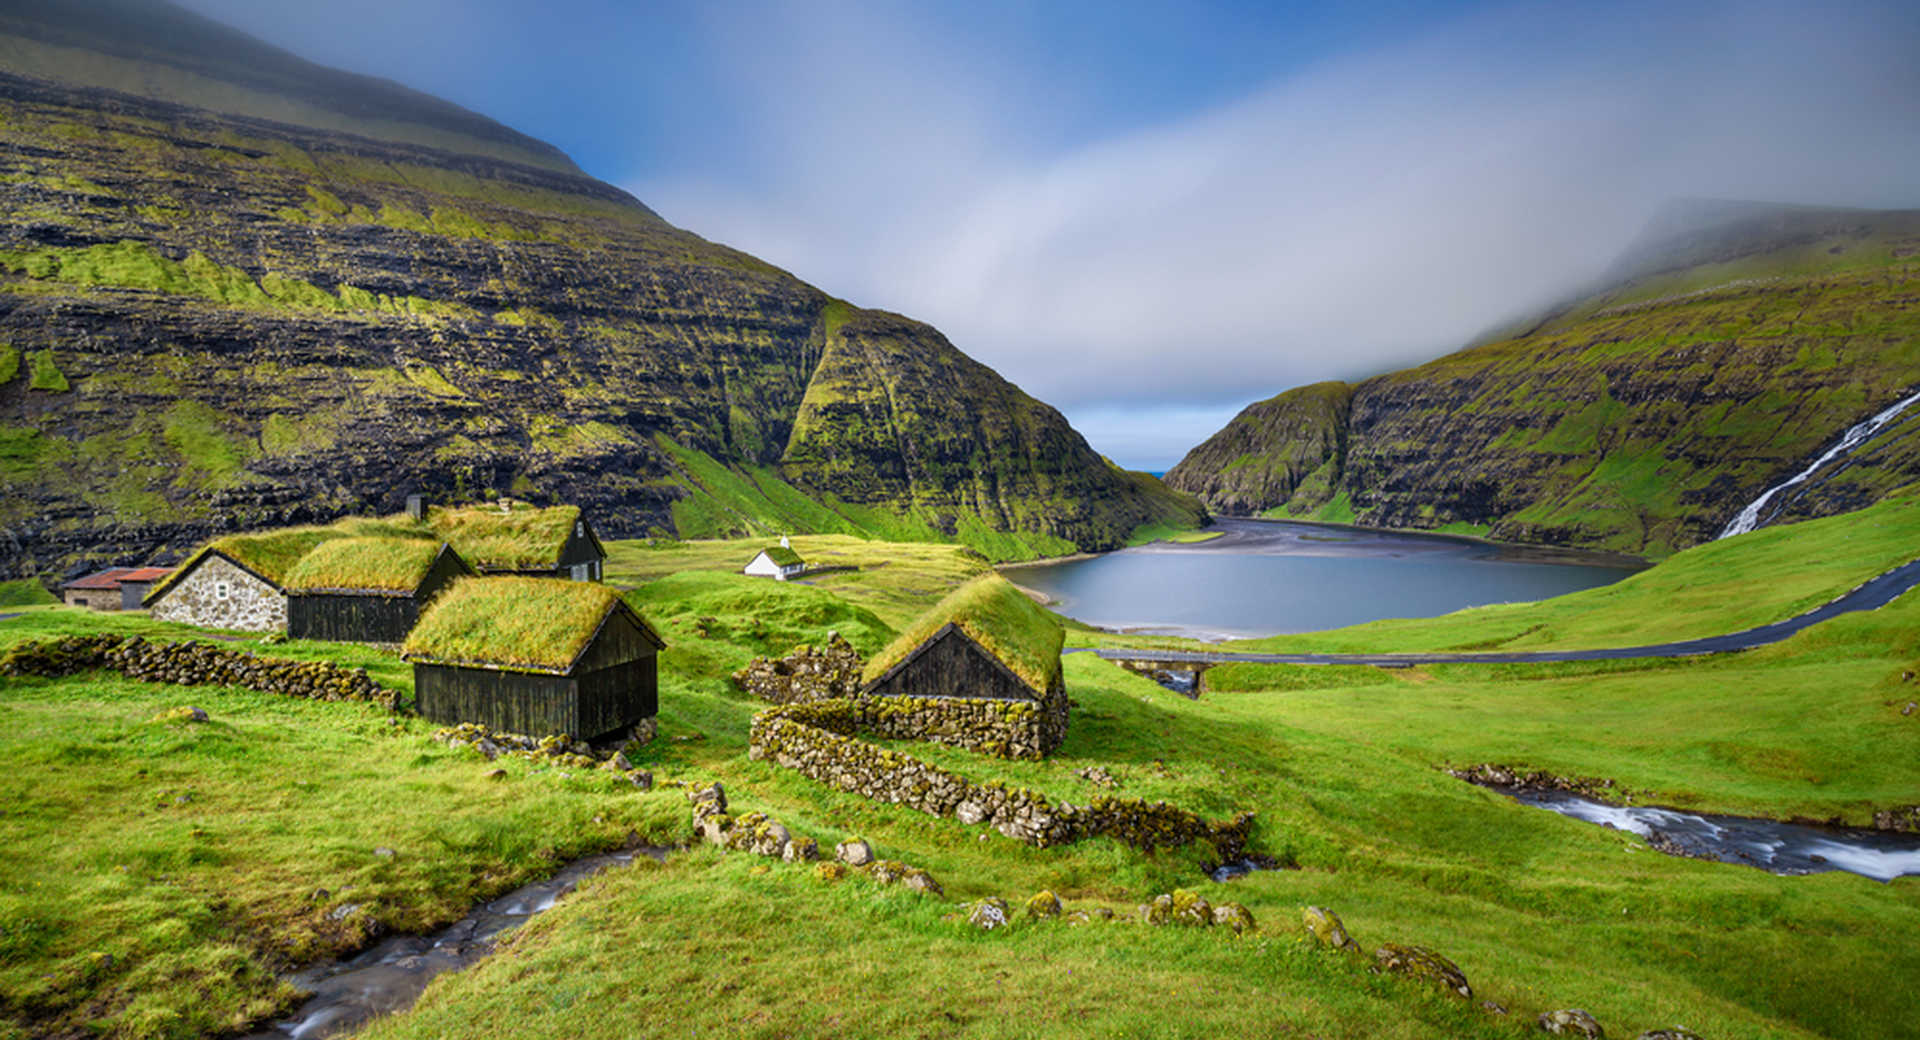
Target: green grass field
(1342, 765)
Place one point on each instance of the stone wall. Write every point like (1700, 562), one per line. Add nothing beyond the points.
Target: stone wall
(816, 741)
(218, 594)
(195, 664)
(805, 674)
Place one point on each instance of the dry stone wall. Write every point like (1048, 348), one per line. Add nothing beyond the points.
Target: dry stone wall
(816, 740)
(218, 594)
(195, 664)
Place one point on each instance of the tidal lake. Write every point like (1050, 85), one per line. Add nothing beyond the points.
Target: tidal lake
(1264, 577)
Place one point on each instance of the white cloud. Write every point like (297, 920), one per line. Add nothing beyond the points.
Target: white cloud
(1373, 211)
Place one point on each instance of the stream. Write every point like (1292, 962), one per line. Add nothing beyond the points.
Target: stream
(391, 975)
(1749, 517)
(1781, 848)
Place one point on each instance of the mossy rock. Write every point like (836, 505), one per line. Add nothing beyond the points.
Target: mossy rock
(1043, 905)
(1234, 916)
(1571, 1022)
(1418, 962)
(1327, 929)
(989, 914)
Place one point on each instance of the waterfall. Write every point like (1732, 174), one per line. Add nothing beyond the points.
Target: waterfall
(1749, 517)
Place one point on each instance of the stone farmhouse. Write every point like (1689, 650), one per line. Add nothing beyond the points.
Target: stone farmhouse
(116, 588)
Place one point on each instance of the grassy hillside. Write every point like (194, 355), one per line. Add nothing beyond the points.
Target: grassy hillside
(1640, 418)
(1342, 766)
(238, 290)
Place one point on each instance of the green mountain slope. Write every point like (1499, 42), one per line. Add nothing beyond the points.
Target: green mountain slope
(1728, 354)
(237, 289)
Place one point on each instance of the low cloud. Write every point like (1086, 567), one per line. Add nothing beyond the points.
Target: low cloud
(1369, 212)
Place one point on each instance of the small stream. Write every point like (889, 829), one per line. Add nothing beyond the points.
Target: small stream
(391, 975)
(1781, 848)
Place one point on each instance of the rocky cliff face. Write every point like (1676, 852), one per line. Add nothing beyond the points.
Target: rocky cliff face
(212, 320)
(1641, 418)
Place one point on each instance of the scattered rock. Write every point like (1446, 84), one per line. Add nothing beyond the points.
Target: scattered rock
(640, 778)
(1674, 1033)
(988, 914)
(1097, 775)
(830, 871)
(385, 853)
(1908, 710)
(1098, 913)
(1418, 962)
(343, 911)
(1570, 1022)
(1494, 1008)
(496, 774)
(887, 871)
(922, 882)
(855, 853)
(1234, 916)
(1043, 905)
(1327, 929)
(1180, 907)
(713, 796)
(801, 850)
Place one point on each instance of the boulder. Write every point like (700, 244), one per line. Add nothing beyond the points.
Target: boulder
(1672, 1033)
(1044, 904)
(1418, 962)
(712, 795)
(830, 871)
(1327, 929)
(801, 850)
(988, 914)
(1234, 916)
(855, 853)
(922, 882)
(1570, 1022)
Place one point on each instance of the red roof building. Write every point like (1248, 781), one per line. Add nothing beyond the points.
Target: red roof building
(116, 588)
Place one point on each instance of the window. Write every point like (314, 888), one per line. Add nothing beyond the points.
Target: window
(219, 590)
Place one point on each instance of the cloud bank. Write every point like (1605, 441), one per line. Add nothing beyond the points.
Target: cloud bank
(1345, 219)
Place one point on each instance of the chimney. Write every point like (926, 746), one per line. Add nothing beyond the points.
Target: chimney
(417, 506)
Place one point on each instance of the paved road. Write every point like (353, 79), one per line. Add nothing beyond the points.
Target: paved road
(1873, 595)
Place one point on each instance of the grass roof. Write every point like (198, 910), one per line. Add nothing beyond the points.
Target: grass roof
(782, 556)
(1000, 618)
(512, 622)
(270, 554)
(522, 539)
(386, 564)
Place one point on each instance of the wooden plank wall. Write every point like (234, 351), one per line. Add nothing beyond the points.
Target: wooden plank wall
(352, 619)
(954, 667)
(517, 702)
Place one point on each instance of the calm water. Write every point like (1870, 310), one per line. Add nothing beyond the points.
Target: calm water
(1265, 577)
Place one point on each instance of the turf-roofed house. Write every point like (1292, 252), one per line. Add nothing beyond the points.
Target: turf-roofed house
(367, 590)
(515, 538)
(778, 562)
(537, 656)
(985, 641)
(237, 582)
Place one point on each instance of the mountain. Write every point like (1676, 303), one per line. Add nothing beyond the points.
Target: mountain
(241, 289)
(1726, 351)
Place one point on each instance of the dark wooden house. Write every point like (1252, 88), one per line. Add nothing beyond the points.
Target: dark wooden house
(537, 656)
(367, 590)
(557, 542)
(986, 640)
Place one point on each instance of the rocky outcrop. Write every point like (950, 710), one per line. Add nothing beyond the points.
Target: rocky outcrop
(213, 321)
(1275, 451)
(1641, 418)
(1418, 962)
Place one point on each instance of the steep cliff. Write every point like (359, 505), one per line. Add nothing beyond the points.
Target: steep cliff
(239, 289)
(1285, 447)
(1730, 352)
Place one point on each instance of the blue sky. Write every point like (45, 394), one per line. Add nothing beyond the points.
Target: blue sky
(1150, 214)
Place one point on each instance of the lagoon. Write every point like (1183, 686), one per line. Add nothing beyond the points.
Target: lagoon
(1267, 577)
